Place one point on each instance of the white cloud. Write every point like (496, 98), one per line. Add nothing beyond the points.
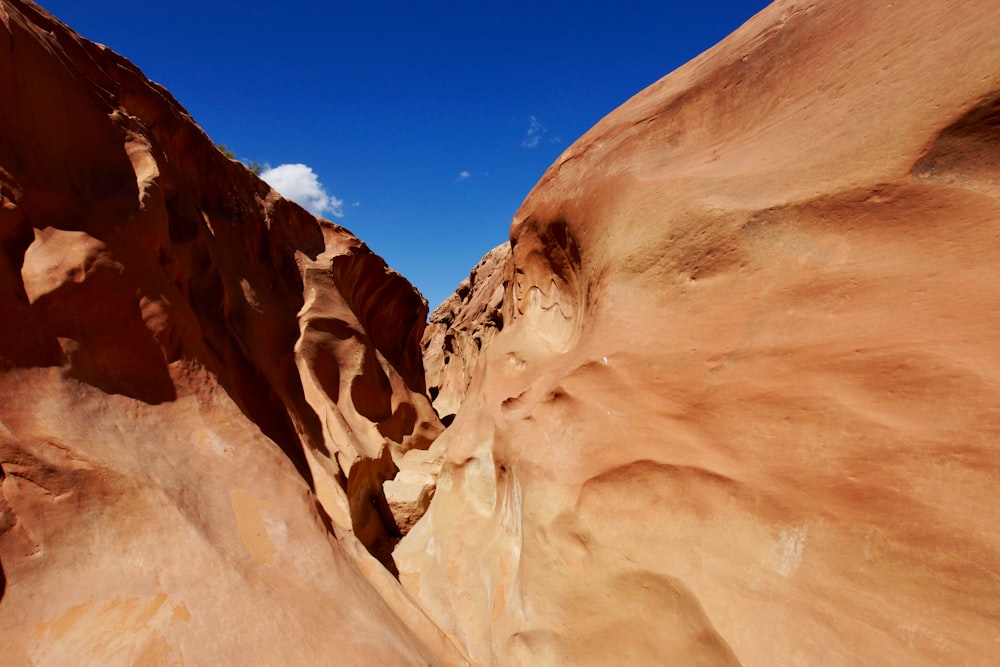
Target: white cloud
(356, 204)
(463, 175)
(299, 183)
(534, 133)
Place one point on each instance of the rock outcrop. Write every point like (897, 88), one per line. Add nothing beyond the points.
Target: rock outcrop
(202, 390)
(460, 328)
(745, 405)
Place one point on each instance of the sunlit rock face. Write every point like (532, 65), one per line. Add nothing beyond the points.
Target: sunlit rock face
(202, 390)
(729, 395)
(745, 405)
(461, 328)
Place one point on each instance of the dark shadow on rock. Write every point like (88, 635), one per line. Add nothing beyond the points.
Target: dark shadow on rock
(371, 391)
(107, 344)
(967, 152)
(259, 401)
(400, 424)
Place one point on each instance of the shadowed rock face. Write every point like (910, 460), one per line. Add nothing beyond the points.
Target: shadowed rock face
(744, 405)
(202, 390)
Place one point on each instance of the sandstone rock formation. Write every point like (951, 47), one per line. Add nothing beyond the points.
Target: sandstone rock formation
(202, 390)
(745, 405)
(460, 328)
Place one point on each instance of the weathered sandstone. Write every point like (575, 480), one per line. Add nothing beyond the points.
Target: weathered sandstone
(456, 335)
(745, 405)
(460, 328)
(729, 395)
(202, 390)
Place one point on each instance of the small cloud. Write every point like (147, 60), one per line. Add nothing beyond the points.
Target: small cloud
(534, 134)
(356, 204)
(299, 183)
(463, 175)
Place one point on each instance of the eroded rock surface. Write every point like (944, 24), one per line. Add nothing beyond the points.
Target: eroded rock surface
(745, 405)
(453, 342)
(202, 390)
(460, 328)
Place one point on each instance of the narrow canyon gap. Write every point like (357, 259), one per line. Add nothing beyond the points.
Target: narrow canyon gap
(729, 395)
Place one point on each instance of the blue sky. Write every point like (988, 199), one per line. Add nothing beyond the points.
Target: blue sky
(426, 123)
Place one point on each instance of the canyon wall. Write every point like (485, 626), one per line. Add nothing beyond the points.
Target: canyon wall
(202, 390)
(745, 405)
(461, 328)
(730, 395)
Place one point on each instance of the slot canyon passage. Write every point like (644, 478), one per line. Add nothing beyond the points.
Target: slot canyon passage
(730, 395)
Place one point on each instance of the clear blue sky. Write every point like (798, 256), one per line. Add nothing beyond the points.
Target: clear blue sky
(430, 121)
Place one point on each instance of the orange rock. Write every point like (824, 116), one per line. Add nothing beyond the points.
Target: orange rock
(202, 389)
(745, 401)
(460, 328)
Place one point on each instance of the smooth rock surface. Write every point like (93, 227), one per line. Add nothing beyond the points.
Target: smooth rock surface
(745, 405)
(202, 389)
(730, 394)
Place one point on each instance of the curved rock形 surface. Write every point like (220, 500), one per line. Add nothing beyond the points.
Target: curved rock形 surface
(728, 396)
(202, 389)
(744, 403)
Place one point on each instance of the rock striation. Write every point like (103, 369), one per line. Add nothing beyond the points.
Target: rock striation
(202, 390)
(744, 406)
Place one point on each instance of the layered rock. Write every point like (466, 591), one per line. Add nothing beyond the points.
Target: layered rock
(202, 389)
(744, 406)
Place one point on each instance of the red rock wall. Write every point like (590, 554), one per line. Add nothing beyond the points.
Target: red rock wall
(202, 388)
(744, 406)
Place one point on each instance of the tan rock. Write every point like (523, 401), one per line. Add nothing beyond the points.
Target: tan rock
(744, 403)
(202, 389)
(452, 344)
(460, 328)
(409, 495)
